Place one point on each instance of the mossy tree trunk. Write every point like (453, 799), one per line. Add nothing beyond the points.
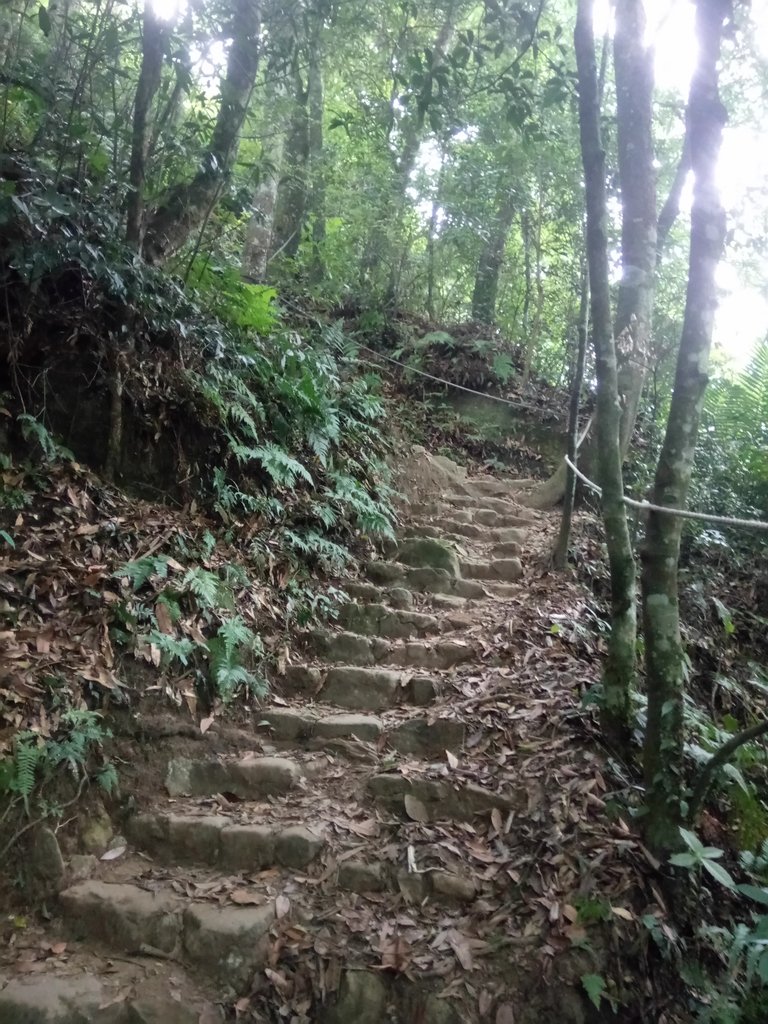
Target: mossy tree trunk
(620, 662)
(633, 64)
(663, 644)
(560, 552)
(492, 259)
(188, 206)
(152, 50)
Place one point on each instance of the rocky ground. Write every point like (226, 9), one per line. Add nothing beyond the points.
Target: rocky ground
(412, 828)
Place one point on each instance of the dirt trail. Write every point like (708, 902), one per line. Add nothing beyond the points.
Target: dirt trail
(400, 836)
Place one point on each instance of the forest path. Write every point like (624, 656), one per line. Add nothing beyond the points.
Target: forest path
(388, 845)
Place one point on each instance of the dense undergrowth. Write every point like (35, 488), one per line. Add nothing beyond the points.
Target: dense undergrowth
(247, 461)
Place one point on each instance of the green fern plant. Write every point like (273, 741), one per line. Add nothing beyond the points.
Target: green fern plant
(234, 645)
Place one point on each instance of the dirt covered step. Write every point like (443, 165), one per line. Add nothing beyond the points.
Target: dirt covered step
(423, 580)
(498, 570)
(368, 651)
(401, 597)
(429, 799)
(434, 884)
(248, 778)
(441, 511)
(393, 624)
(223, 943)
(357, 688)
(102, 992)
(421, 735)
(217, 840)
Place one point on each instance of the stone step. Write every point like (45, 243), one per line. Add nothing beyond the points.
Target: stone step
(437, 513)
(503, 570)
(439, 800)
(431, 581)
(216, 840)
(454, 529)
(121, 993)
(433, 884)
(365, 651)
(369, 593)
(420, 735)
(358, 688)
(391, 624)
(503, 505)
(249, 778)
(225, 943)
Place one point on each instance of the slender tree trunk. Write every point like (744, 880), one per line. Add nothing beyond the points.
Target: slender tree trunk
(432, 240)
(633, 62)
(560, 553)
(293, 199)
(620, 663)
(532, 336)
(188, 205)
(260, 230)
(665, 668)
(413, 136)
(152, 50)
(491, 259)
(316, 102)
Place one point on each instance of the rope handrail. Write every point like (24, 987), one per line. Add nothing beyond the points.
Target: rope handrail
(647, 506)
(643, 506)
(448, 383)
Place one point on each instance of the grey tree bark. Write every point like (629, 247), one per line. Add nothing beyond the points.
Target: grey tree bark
(491, 259)
(188, 205)
(664, 654)
(152, 50)
(619, 671)
(560, 552)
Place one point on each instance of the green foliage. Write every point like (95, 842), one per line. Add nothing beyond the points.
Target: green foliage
(33, 429)
(700, 856)
(36, 762)
(239, 304)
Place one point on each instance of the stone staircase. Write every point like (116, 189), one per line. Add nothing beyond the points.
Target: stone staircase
(349, 813)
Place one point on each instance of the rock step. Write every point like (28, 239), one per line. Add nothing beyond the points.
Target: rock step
(497, 504)
(393, 624)
(123, 994)
(431, 581)
(420, 734)
(415, 886)
(226, 944)
(351, 649)
(503, 570)
(359, 689)
(437, 799)
(439, 513)
(369, 593)
(215, 840)
(249, 778)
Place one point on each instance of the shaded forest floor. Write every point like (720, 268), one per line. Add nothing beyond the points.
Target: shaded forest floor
(542, 902)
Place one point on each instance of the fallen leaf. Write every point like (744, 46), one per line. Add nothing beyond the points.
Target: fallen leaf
(452, 760)
(242, 897)
(505, 1014)
(114, 853)
(206, 723)
(282, 906)
(415, 809)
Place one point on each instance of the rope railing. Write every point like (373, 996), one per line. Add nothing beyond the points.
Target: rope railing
(642, 506)
(647, 506)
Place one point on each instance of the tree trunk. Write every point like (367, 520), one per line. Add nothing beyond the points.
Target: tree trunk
(316, 102)
(259, 232)
(491, 259)
(432, 239)
(188, 205)
(293, 190)
(413, 133)
(560, 553)
(620, 663)
(152, 50)
(665, 668)
(633, 62)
